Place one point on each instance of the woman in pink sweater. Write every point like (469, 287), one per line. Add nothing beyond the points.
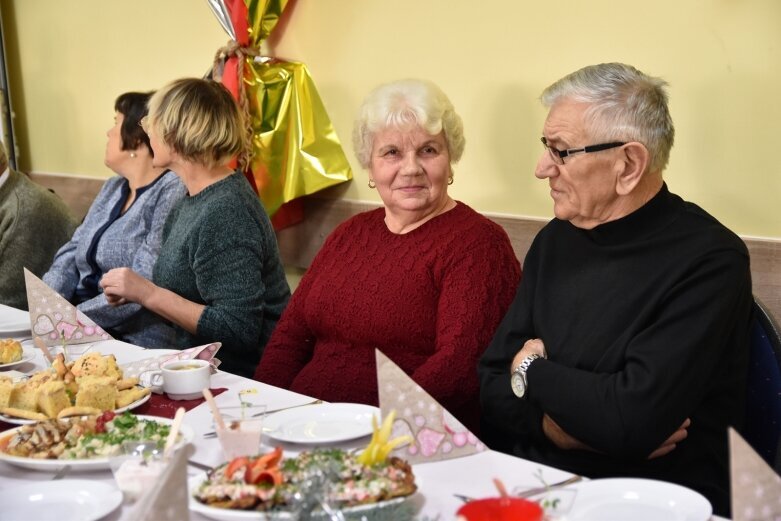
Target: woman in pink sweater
(425, 279)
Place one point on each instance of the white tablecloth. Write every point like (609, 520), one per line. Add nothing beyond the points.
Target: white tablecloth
(437, 482)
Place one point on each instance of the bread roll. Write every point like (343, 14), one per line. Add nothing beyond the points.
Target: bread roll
(10, 351)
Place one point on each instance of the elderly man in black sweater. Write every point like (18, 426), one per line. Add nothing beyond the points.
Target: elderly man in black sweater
(626, 348)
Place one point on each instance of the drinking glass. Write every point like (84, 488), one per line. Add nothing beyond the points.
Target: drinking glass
(136, 467)
(243, 430)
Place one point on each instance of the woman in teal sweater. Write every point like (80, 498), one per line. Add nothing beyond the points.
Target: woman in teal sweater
(218, 277)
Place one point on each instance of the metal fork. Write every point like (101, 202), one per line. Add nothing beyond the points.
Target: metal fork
(540, 490)
(313, 402)
(333, 515)
(532, 491)
(200, 466)
(61, 473)
(213, 434)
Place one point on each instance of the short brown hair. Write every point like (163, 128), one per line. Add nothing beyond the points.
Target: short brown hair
(132, 105)
(199, 120)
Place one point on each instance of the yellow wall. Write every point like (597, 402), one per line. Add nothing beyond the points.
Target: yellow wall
(722, 58)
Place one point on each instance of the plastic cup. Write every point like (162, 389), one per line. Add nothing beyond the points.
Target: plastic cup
(243, 430)
(136, 467)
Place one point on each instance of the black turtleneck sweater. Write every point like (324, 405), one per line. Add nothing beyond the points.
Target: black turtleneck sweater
(645, 321)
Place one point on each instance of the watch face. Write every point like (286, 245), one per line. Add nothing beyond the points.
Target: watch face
(518, 385)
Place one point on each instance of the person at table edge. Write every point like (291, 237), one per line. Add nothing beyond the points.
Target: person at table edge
(425, 279)
(123, 227)
(629, 330)
(34, 223)
(218, 277)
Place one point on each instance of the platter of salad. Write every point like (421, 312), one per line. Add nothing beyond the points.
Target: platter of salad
(266, 487)
(84, 442)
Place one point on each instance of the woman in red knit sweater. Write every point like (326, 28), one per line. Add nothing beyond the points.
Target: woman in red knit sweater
(425, 279)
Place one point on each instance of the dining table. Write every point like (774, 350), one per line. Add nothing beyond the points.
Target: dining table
(440, 483)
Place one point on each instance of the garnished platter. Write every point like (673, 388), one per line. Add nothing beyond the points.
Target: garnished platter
(20, 421)
(134, 427)
(266, 487)
(91, 384)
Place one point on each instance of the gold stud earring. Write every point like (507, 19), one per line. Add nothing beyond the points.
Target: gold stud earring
(132, 154)
(450, 179)
(372, 184)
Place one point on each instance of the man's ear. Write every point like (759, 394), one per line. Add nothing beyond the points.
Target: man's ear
(631, 167)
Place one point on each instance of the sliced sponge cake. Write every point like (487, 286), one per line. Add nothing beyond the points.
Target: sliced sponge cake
(52, 398)
(6, 388)
(97, 391)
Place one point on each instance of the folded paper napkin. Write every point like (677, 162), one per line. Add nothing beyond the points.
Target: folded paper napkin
(144, 369)
(437, 434)
(55, 320)
(755, 487)
(168, 498)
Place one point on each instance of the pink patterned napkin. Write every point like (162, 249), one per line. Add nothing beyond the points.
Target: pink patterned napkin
(143, 368)
(54, 319)
(755, 487)
(437, 434)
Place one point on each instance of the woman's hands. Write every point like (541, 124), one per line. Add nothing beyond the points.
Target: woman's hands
(123, 285)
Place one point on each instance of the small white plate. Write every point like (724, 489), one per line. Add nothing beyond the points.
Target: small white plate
(65, 500)
(27, 354)
(326, 423)
(638, 500)
(129, 407)
(384, 508)
(52, 465)
(14, 322)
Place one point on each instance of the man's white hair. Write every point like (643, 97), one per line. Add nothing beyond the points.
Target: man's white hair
(625, 105)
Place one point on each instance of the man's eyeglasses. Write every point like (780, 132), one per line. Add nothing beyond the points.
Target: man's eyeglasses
(144, 124)
(559, 155)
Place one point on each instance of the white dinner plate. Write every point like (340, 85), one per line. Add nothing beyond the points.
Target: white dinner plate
(325, 423)
(27, 354)
(52, 465)
(620, 499)
(65, 500)
(13, 322)
(386, 509)
(129, 407)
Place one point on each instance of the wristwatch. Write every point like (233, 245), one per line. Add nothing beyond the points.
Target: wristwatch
(518, 378)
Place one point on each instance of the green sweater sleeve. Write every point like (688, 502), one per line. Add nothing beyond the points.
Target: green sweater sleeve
(228, 275)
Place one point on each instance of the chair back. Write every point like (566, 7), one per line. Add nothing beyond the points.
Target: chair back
(763, 408)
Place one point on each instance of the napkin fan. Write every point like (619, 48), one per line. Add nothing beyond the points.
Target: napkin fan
(55, 320)
(437, 435)
(755, 487)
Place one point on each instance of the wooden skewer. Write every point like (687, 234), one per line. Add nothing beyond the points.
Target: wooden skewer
(42, 345)
(501, 488)
(215, 411)
(174, 432)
